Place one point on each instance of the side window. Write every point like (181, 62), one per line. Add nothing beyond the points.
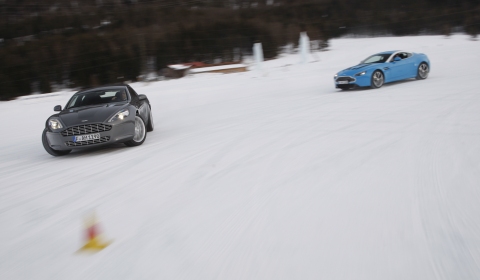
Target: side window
(133, 94)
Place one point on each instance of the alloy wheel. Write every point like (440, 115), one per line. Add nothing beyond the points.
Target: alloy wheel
(378, 79)
(423, 70)
(139, 130)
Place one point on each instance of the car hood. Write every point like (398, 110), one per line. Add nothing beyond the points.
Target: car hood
(357, 69)
(90, 114)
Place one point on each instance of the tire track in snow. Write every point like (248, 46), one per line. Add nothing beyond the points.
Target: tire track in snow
(451, 256)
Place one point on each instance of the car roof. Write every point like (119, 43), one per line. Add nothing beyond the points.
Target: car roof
(115, 87)
(388, 52)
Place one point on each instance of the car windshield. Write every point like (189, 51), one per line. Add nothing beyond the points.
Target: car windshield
(97, 97)
(377, 58)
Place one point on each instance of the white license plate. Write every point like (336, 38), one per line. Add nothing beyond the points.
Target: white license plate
(343, 82)
(86, 137)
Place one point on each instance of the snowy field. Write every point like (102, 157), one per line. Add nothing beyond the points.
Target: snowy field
(261, 175)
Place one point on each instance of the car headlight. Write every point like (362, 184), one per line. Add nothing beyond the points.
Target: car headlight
(54, 124)
(120, 115)
(361, 73)
(336, 75)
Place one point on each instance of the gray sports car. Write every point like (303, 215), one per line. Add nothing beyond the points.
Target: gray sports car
(98, 116)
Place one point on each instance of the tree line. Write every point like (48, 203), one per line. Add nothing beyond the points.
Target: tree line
(87, 43)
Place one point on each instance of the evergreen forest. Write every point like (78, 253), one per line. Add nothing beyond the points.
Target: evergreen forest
(78, 44)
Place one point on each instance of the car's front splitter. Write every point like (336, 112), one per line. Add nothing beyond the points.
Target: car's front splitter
(346, 86)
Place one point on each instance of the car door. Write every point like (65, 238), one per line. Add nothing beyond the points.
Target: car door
(404, 68)
(409, 68)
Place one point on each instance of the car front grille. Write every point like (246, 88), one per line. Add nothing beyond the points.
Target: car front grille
(88, 142)
(344, 78)
(86, 129)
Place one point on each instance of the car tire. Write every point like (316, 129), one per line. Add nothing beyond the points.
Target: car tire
(150, 125)
(422, 71)
(49, 149)
(378, 79)
(139, 134)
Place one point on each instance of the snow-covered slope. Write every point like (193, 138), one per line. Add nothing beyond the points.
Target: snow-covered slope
(262, 175)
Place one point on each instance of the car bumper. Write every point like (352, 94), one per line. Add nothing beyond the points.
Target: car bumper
(119, 133)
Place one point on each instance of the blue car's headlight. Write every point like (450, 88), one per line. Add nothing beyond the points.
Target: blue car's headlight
(361, 73)
(336, 75)
(120, 115)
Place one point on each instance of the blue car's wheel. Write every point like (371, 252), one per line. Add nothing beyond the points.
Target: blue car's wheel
(423, 71)
(377, 79)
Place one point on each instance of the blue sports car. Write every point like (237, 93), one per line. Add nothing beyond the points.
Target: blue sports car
(382, 68)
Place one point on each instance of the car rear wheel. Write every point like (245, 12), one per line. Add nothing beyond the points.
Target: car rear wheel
(150, 125)
(140, 133)
(422, 72)
(49, 149)
(377, 79)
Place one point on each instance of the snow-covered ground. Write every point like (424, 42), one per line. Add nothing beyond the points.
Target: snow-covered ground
(262, 175)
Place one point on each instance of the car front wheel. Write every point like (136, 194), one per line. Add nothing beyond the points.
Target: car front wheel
(377, 79)
(49, 149)
(139, 134)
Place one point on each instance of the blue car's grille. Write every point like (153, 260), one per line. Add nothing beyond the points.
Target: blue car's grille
(344, 78)
(88, 142)
(86, 129)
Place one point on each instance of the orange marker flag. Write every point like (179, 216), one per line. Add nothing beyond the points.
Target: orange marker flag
(93, 238)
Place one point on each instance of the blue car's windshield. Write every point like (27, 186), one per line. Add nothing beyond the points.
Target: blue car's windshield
(98, 97)
(377, 58)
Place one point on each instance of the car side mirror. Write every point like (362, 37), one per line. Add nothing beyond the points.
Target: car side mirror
(142, 97)
(397, 59)
(57, 108)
